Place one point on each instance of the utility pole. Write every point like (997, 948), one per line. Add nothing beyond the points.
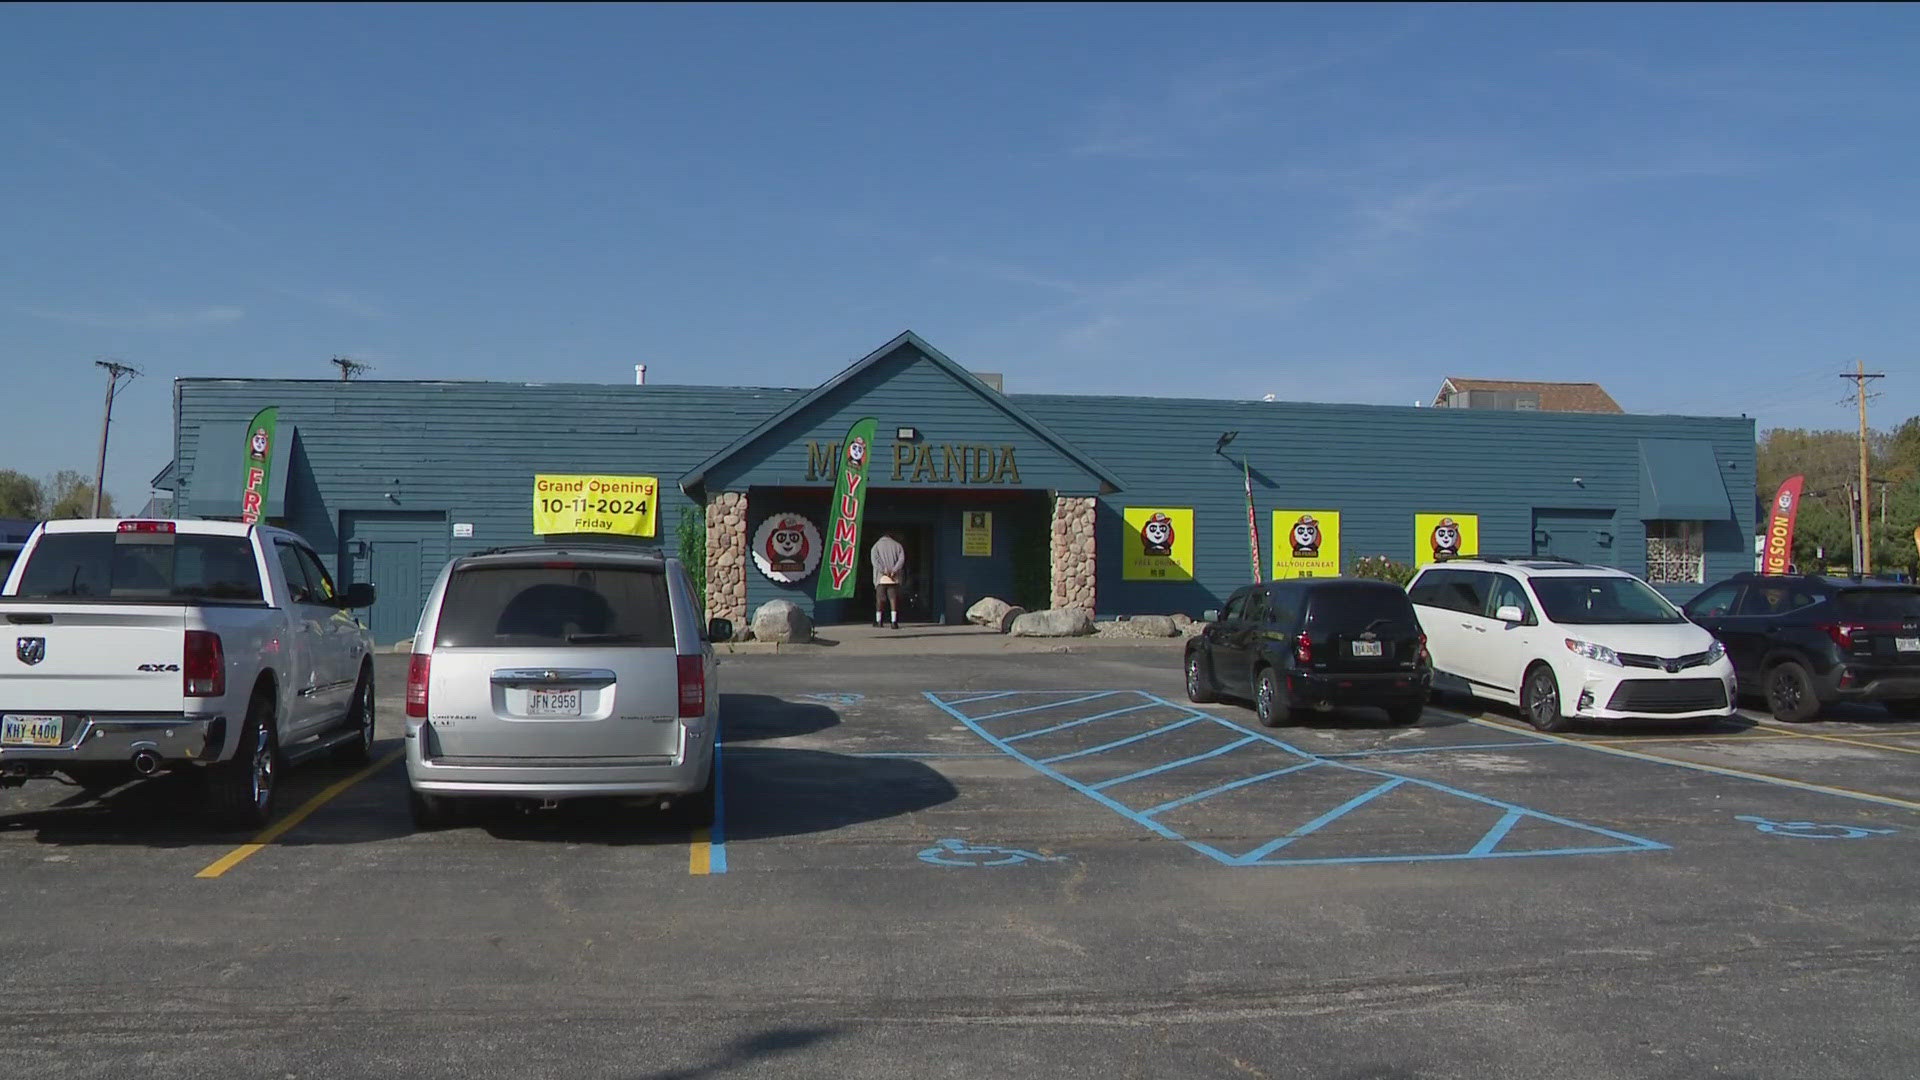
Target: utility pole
(1864, 564)
(115, 372)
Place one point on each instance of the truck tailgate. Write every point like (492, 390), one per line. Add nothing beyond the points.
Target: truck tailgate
(85, 658)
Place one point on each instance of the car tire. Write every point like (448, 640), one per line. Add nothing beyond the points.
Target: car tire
(1201, 689)
(1540, 700)
(696, 810)
(360, 719)
(239, 794)
(431, 811)
(1269, 704)
(1791, 697)
(1405, 715)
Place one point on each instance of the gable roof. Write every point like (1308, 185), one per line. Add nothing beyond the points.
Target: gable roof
(965, 378)
(1583, 397)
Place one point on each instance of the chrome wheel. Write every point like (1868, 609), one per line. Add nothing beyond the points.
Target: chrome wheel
(1193, 676)
(366, 716)
(263, 769)
(1263, 703)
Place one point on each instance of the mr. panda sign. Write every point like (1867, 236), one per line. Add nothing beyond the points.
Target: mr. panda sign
(786, 548)
(1439, 537)
(1306, 543)
(1157, 544)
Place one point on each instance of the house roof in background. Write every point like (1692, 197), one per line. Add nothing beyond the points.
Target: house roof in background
(1554, 396)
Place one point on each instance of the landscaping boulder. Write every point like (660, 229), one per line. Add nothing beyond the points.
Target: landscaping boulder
(1053, 622)
(991, 611)
(1154, 626)
(781, 621)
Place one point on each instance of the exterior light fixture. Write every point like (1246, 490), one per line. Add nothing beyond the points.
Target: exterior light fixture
(906, 434)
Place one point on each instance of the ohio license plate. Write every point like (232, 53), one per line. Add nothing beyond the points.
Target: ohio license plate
(1907, 644)
(1366, 648)
(16, 730)
(553, 703)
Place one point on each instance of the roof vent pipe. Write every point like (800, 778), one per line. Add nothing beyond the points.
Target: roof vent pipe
(639, 374)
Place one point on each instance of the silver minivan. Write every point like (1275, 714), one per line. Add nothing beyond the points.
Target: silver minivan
(563, 671)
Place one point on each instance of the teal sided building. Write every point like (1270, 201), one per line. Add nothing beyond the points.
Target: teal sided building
(1122, 505)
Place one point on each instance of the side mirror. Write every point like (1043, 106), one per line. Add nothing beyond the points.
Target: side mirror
(719, 630)
(358, 595)
(1210, 615)
(1510, 615)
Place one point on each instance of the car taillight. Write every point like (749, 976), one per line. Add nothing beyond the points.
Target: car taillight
(693, 687)
(418, 669)
(203, 665)
(1842, 633)
(1423, 648)
(1303, 647)
(146, 527)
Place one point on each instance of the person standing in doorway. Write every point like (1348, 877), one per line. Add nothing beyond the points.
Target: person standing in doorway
(889, 566)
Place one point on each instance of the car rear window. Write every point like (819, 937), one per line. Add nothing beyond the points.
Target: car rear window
(167, 567)
(1355, 609)
(556, 606)
(1878, 605)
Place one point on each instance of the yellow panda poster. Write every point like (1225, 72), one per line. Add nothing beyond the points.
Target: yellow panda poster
(1306, 543)
(1157, 544)
(1444, 536)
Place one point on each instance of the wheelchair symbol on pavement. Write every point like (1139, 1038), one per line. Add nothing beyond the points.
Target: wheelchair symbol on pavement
(960, 853)
(1810, 830)
(835, 699)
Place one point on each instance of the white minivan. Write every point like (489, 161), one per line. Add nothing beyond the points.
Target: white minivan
(1568, 642)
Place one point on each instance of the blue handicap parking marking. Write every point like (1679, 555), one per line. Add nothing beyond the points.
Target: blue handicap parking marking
(835, 699)
(1809, 830)
(960, 853)
(1152, 739)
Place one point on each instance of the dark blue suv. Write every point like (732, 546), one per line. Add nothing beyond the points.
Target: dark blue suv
(1804, 641)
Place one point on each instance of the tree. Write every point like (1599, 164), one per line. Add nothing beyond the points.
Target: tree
(72, 496)
(21, 496)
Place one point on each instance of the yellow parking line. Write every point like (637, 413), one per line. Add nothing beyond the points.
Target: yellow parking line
(280, 828)
(700, 852)
(1837, 738)
(1721, 770)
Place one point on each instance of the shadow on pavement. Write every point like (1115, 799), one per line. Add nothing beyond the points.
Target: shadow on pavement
(749, 1051)
(165, 812)
(752, 717)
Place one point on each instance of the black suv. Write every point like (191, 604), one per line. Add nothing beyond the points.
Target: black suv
(1804, 641)
(1317, 643)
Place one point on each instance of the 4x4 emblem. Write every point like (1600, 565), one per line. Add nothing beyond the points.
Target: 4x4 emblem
(30, 650)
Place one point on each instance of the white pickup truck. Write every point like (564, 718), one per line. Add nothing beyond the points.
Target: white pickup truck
(142, 647)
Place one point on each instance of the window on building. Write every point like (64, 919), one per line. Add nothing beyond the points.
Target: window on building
(1676, 552)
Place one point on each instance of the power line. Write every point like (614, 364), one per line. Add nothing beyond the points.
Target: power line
(115, 372)
(1863, 528)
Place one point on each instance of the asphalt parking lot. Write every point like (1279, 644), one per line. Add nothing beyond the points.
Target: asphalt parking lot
(1016, 866)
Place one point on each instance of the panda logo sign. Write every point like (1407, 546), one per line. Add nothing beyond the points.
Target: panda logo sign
(257, 445)
(857, 451)
(1306, 538)
(1157, 536)
(1445, 539)
(786, 548)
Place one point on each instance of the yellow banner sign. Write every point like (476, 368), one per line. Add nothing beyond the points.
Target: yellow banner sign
(609, 505)
(1444, 536)
(1306, 543)
(976, 540)
(1158, 544)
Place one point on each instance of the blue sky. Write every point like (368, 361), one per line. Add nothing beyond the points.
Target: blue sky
(1706, 209)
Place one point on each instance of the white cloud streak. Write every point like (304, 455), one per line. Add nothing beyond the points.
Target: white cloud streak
(152, 319)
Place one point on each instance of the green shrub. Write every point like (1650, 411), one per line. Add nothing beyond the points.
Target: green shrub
(1381, 568)
(693, 548)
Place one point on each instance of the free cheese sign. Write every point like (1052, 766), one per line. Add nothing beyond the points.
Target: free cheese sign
(608, 505)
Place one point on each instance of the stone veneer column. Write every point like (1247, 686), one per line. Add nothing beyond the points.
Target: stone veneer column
(1073, 553)
(727, 557)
